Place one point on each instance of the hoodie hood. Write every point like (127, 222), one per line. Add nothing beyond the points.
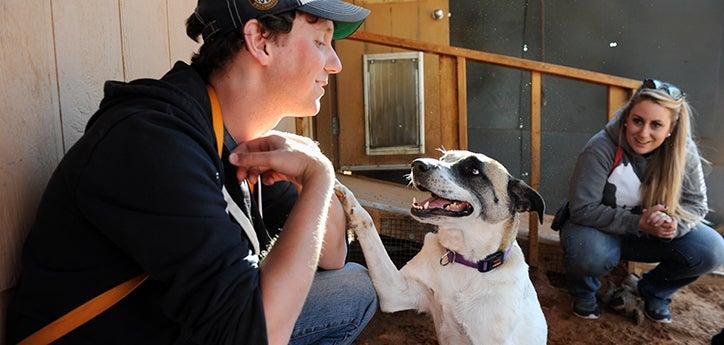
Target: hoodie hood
(181, 86)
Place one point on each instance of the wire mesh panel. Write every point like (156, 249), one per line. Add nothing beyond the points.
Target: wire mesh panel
(402, 237)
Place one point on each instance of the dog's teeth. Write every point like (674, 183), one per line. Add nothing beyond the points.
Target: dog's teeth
(414, 200)
(427, 204)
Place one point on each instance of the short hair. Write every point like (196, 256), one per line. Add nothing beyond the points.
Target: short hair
(216, 53)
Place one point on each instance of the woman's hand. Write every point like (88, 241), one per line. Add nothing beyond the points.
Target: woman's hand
(280, 156)
(656, 222)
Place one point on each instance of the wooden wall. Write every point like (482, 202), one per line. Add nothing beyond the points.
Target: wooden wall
(404, 19)
(54, 57)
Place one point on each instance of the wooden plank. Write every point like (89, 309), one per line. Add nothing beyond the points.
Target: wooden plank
(88, 46)
(617, 98)
(403, 21)
(448, 95)
(497, 59)
(439, 118)
(462, 88)
(380, 22)
(535, 119)
(350, 103)
(430, 29)
(435, 115)
(181, 47)
(386, 196)
(31, 141)
(144, 38)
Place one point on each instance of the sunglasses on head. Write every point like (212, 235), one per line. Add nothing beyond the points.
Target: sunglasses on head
(670, 89)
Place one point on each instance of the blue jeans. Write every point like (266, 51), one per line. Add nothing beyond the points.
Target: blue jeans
(590, 253)
(339, 305)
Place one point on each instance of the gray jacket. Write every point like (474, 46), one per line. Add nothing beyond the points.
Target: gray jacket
(590, 206)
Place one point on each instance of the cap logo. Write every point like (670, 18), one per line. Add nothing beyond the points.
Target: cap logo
(263, 5)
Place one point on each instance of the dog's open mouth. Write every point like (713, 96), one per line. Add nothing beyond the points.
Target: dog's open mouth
(438, 206)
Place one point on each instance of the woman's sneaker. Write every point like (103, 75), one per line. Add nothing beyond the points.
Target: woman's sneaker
(657, 311)
(654, 308)
(586, 309)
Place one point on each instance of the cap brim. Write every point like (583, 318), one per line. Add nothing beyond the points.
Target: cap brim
(347, 17)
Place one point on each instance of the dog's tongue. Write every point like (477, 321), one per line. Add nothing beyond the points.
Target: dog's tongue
(435, 202)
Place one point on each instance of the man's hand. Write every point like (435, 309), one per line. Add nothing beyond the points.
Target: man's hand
(280, 156)
(654, 221)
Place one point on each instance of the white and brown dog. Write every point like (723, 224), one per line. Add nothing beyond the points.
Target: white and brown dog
(471, 275)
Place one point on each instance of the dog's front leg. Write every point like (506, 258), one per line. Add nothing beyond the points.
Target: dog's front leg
(396, 292)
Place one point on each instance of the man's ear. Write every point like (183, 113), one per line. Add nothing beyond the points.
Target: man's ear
(255, 42)
(525, 199)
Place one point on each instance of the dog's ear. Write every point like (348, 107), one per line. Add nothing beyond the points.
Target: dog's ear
(525, 199)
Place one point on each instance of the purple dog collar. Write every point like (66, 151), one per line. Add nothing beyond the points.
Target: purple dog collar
(488, 264)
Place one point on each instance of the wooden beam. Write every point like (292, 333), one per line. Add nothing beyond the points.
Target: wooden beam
(535, 123)
(497, 59)
(462, 103)
(617, 97)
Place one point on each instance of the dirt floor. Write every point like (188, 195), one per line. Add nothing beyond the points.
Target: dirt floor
(698, 312)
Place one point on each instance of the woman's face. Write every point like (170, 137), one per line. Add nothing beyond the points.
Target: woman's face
(647, 126)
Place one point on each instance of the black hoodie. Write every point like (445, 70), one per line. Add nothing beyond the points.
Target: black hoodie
(141, 192)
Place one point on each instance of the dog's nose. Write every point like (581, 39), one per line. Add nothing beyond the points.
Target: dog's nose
(420, 166)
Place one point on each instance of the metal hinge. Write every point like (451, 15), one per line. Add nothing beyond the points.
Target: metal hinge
(335, 125)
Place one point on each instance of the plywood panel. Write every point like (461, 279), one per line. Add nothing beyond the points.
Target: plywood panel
(406, 19)
(30, 134)
(350, 98)
(181, 46)
(432, 30)
(88, 46)
(379, 22)
(144, 38)
(404, 22)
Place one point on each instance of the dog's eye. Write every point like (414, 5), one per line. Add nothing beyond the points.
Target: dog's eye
(474, 171)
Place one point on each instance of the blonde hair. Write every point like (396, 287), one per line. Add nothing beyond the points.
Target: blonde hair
(665, 171)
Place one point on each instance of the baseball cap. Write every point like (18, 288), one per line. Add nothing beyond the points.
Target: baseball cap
(223, 16)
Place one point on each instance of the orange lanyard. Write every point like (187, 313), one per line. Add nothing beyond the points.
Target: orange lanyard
(216, 119)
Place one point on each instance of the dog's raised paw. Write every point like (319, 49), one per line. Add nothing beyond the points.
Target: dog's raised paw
(356, 215)
(343, 194)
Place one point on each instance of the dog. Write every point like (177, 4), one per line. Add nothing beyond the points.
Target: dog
(470, 275)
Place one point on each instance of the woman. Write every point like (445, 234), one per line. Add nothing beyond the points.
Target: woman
(638, 193)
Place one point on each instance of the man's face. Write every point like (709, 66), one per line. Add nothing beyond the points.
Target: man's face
(302, 64)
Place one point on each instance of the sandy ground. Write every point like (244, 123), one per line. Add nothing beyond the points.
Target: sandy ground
(698, 312)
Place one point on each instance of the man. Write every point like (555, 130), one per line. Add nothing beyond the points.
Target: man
(150, 188)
